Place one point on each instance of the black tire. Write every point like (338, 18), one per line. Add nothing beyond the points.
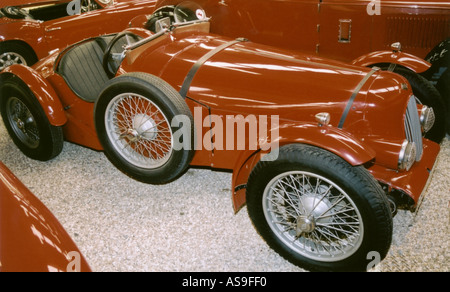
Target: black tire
(27, 123)
(131, 142)
(16, 53)
(365, 213)
(428, 95)
(444, 88)
(439, 58)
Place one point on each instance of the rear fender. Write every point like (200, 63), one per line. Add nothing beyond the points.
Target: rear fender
(409, 61)
(329, 138)
(41, 89)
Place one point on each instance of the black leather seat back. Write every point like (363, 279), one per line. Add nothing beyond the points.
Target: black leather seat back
(83, 71)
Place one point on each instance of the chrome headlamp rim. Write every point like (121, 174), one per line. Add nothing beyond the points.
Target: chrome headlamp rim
(323, 119)
(407, 155)
(427, 118)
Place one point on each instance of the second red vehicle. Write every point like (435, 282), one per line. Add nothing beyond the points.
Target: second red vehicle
(30, 30)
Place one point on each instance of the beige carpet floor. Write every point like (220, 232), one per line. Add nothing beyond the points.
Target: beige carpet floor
(189, 225)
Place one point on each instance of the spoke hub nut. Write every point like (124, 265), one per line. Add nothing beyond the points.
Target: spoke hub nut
(305, 224)
(20, 124)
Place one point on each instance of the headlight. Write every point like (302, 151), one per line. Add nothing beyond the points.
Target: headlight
(407, 155)
(323, 119)
(427, 118)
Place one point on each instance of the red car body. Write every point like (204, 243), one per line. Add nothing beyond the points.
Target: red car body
(360, 116)
(37, 37)
(31, 238)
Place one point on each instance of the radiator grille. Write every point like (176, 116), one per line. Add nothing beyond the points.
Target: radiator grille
(413, 128)
(417, 32)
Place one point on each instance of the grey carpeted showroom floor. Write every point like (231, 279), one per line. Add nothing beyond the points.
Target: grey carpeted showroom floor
(189, 225)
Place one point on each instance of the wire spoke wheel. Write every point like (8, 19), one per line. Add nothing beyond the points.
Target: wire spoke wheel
(139, 131)
(313, 216)
(133, 118)
(10, 58)
(22, 122)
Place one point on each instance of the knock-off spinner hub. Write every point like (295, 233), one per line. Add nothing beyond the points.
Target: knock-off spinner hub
(305, 224)
(314, 209)
(143, 127)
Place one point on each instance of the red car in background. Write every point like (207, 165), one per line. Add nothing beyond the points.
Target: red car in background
(30, 29)
(393, 35)
(31, 238)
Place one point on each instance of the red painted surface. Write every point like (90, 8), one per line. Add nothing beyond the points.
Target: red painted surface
(337, 29)
(31, 238)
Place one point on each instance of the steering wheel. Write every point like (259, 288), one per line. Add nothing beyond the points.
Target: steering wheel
(88, 5)
(15, 12)
(163, 12)
(116, 58)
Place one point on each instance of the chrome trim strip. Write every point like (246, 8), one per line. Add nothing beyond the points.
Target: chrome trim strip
(190, 77)
(355, 93)
(147, 40)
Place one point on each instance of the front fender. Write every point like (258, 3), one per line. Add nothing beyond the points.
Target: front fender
(332, 139)
(409, 61)
(41, 89)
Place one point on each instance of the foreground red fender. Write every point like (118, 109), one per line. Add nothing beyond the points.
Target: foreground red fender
(31, 238)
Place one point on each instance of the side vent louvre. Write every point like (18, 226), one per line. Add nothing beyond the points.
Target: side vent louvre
(417, 32)
(413, 128)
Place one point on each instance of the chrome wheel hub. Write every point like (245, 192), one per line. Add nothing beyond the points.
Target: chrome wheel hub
(145, 127)
(314, 208)
(132, 135)
(305, 224)
(22, 122)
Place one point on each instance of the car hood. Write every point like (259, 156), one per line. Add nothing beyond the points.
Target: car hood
(261, 80)
(31, 238)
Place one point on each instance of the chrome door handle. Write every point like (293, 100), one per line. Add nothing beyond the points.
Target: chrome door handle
(52, 29)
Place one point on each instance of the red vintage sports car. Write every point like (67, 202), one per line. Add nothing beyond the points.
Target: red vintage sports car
(31, 238)
(321, 167)
(28, 32)
(392, 35)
